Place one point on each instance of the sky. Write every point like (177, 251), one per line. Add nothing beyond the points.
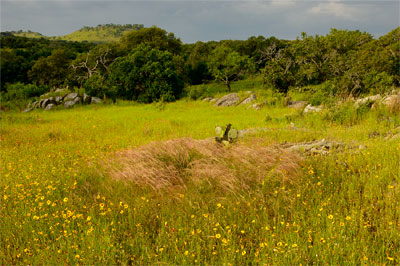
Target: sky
(193, 21)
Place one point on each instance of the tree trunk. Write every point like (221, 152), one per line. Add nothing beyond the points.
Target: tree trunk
(228, 85)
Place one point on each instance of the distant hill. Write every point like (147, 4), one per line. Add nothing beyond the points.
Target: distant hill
(27, 34)
(102, 33)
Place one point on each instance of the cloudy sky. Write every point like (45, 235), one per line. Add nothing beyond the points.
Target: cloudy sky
(205, 20)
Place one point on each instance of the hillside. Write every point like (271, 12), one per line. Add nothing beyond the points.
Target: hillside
(100, 34)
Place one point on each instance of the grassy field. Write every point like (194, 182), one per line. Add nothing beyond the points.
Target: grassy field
(61, 204)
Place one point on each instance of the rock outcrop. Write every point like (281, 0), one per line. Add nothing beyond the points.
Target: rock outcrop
(228, 100)
(67, 99)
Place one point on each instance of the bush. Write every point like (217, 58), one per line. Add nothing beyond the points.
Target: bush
(346, 114)
(197, 92)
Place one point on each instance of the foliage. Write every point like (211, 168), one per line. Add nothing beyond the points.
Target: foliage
(51, 70)
(227, 65)
(154, 37)
(145, 75)
(17, 95)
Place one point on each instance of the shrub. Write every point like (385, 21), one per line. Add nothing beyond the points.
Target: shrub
(197, 92)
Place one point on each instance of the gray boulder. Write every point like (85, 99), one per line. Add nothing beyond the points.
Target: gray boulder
(28, 110)
(58, 99)
(258, 106)
(44, 103)
(297, 104)
(312, 109)
(228, 100)
(77, 99)
(70, 97)
(49, 107)
(370, 100)
(249, 99)
(69, 104)
(95, 100)
(86, 99)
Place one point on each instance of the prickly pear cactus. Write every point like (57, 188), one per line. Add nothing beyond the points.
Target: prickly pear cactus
(226, 135)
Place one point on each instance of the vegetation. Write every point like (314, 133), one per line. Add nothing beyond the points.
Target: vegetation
(62, 203)
(141, 184)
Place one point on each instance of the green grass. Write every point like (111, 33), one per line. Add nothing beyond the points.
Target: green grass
(58, 205)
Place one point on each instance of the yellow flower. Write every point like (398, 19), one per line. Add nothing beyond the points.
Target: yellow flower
(390, 258)
(348, 218)
(126, 206)
(101, 205)
(88, 218)
(48, 202)
(330, 217)
(294, 246)
(186, 253)
(219, 205)
(161, 249)
(77, 256)
(243, 252)
(279, 244)
(242, 231)
(218, 236)
(65, 199)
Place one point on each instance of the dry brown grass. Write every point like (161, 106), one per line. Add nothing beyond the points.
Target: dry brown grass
(176, 164)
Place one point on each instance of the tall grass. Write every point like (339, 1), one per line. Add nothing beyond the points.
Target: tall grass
(59, 205)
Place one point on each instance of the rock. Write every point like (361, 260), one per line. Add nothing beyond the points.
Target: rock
(45, 102)
(258, 106)
(207, 99)
(59, 90)
(297, 104)
(49, 107)
(392, 101)
(312, 109)
(95, 100)
(70, 97)
(86, 99)
(213, 100)
(228, 100)
(77, 99)
(69, 104)
(58, 99)
(249, 99)
(370, 100)
(27, 110)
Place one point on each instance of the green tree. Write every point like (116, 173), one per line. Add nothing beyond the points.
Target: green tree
(154, 37)
(52, 70)
(145, 75)
(227, 65)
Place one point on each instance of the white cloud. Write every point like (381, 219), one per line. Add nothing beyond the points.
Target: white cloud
(337, 9)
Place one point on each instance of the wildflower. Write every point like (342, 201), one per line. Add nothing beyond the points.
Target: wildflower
(243, 252)
(242, 231)
(294, 246)
(219, 205)
(279, 244)
(77, 256)
(186, 253)
(101, 205)
(161, 249)
(348, 218)
(390, 258)
(330, 217)
(88, 218)
(126, 206)
(217, 236)
(48, 202)
(65, 199)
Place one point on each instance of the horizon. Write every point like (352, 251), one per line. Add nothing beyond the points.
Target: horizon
(205, 20)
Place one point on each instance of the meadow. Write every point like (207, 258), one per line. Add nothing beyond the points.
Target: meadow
(61, 203)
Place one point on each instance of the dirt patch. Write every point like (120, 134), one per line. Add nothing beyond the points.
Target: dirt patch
(177, 164)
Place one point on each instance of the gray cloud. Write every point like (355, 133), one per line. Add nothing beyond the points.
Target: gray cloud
(205, 20)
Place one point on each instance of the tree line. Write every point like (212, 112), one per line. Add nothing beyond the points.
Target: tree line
(150, 64)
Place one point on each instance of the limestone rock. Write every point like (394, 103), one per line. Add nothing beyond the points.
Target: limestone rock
(95, 100)
(70, 97)
(297, 104)
(49, 107)
(312, 109)
(370, 100)
(249, 99)
(228, 100)
(69, 104)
